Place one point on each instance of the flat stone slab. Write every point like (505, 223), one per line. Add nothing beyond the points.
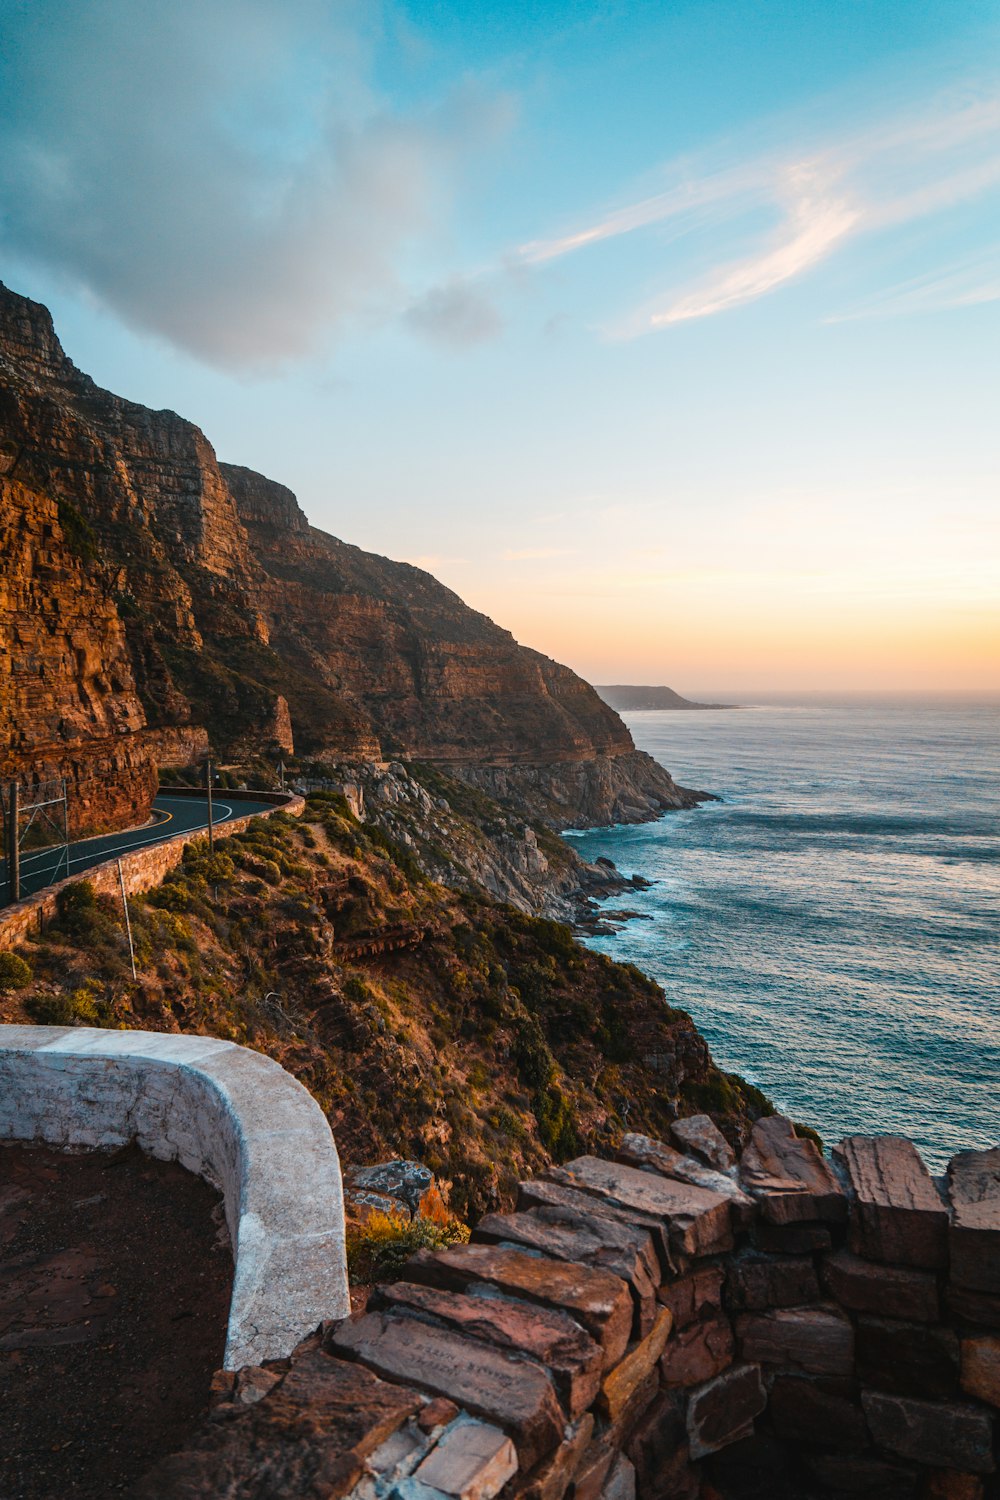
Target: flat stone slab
(943, 1435)
(913, 1359)
(598, 1300)
(887, 1291)
(483, 1379)
(698, 1352)
(817, 1341)
(644, 1152)
(723, 1410)
(324, 1418)
(620, 1384)
(700, 1136)
(974, 1190)
(541, 1193)
(698, 1218)
(624, 1250)
(694, 1296)
(803, 1411)
(473, 1461)
(553, 1339)
(757, 1282)
(897, 1216)
(225, 1112)
(788, 1175)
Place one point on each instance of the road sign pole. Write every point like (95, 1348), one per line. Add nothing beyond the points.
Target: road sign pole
(208, 788)
(13, 846)
(128, 920)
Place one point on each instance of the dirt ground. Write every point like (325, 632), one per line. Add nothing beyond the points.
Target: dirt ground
(115, 1278)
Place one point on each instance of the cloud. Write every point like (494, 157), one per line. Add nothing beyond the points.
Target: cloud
(457, 315)
(968, 282)
(221, 173)
(891, 174)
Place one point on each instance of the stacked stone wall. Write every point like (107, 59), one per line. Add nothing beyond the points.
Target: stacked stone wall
(670, 1325)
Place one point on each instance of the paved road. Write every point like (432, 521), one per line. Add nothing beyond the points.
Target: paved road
(171, 815)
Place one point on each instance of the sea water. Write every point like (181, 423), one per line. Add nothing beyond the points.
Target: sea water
(833, 923)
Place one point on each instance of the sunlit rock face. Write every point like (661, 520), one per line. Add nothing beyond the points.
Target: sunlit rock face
(239, 616)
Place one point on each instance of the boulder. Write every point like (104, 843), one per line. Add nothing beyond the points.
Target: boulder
(897, 1216)
(940, 1435)
(974, 1190)
(406, 1181)
(789, 1177)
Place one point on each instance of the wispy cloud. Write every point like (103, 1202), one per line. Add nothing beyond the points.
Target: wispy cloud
(967, 282)
(894, 173)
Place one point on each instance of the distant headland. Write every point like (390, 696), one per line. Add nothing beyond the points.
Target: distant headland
(622, 698)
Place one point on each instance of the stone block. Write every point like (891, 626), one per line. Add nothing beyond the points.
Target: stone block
(658, 1448)
(814, 1340)
(620, 1483)
(620, 1384)
(723, 1410)
(489, 1382)
(897, 1216)
(625, 1251)
(698, 1219)
(888, 1291)
(541, 1193)
(698, 1352)
(864, 1475)
(757, 1282)
(791, 1239)
(789, 1177)
(974, 1190)
(973, 1309)
(324, 1417)
(595, 1466)
(945, 1484)
(598, 1300)
(699, 1135)
(653, 1156)
(802, 1411)
(693, 1297)
(914, 1359)
(436, 1413)
(473, 1461)
(940, 1435)
(981, 1369)
(551, 1479)
(552, 1339)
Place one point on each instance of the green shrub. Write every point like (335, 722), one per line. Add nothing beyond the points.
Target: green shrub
(79, 915)
(15, 973)
(85, 1006)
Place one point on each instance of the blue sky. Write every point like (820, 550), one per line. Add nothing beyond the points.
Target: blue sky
(665, 335)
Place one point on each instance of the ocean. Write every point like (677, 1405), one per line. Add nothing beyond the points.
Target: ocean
(833, 924)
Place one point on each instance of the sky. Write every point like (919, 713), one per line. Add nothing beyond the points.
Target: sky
(666, 335)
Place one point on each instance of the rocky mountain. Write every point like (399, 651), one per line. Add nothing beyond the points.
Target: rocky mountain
(155, 597)
(622, 698)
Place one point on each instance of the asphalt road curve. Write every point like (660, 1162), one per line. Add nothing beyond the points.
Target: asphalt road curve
(171, 815)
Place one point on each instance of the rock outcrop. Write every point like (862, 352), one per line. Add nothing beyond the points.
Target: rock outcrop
(239, 617)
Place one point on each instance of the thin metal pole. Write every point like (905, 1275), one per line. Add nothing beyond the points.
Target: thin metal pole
(281, 768)
(128, 922)
(14, 847)
(208, 786)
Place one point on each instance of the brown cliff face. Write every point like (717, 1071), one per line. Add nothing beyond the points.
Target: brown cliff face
(240, 616)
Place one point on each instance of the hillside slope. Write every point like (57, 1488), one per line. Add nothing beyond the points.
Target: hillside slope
(243, 620)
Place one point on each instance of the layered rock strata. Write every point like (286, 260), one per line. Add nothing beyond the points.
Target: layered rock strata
(633, 1332)
(240, 617)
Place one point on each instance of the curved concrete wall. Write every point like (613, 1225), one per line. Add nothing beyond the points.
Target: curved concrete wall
(229, 1114)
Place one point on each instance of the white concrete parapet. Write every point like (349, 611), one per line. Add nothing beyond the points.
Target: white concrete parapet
(229, 1114)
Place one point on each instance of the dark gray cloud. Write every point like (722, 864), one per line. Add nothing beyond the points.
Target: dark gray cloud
(218, 172)
(457, 314)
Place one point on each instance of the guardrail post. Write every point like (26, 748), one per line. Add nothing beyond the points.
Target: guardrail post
(13, 846)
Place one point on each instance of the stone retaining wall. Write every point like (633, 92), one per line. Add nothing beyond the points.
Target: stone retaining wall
(671, 1325)
(225, 1112)
(143, 869)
